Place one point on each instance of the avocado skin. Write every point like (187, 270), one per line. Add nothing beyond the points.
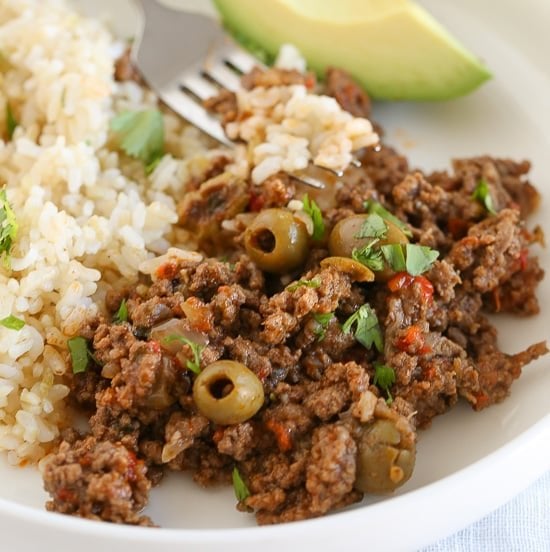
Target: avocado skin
(442, 70)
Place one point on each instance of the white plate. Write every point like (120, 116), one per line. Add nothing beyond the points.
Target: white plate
(468, 463)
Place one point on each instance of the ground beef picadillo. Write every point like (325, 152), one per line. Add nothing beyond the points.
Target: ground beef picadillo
(301, 455)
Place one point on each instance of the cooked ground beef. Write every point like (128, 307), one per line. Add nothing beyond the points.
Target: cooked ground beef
(97, 480)
(347, 92)
(325, 387)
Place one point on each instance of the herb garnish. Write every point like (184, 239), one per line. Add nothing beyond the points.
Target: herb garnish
(367, 328)
(483, 195)
(8, 227)
(141, 135)
(373, 227)
(12, 323)
(370, 256)
(395, 256)
(373, 207)
(313, 283)
(312, 209)
(195, 364)
(122, 313)
(420, 258)
(323, 320)
(11, 121)
(241, 490)
(384, 377)
(78, 347)
(413, 258)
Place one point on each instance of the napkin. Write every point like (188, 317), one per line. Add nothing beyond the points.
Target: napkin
(522, 525)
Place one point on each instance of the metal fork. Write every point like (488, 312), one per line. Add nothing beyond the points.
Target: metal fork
(186, 58)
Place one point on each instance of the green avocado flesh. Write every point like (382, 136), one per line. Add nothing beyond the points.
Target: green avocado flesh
(393, 48)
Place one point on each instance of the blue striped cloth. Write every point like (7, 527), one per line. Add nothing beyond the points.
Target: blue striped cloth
(522, 525)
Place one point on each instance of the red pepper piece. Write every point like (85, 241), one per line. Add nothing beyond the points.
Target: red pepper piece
(399, 281)
(403, 280)
(167, 271)
(413, 341)
(282, 434)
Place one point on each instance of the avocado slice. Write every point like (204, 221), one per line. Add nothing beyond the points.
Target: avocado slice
(393, 48)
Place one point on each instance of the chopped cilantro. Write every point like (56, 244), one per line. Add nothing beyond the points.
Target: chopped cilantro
(373, 227)
(413, 258)
(367, 328)
(312, 209)
(370, 256)
(384, 377)
(122, 313)
(419, 258)
(12, 323)
(395, 256)
(141, 134)
(323, 320)
(78, 347)
(373, 207)
(11, 121)
(241, 490)
(313, 283)
(8, 226)
(195, 364)
(483, 195)
(150, 168)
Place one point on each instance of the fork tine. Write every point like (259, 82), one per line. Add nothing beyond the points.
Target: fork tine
(240, 59)
(180, 102)
(224, 76)
(308, 180)
(198, 85)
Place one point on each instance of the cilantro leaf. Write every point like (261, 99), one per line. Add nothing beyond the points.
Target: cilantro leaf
(323, 320)
(483, 195)
(12, 323)
(367, 328)
(373, 227)
(241, 490)
(395, 256)
(141, 134)
(150, 168)
(195, 364)
(312, 209)
(370, 256)
(419, 258)
(373, 207)
(11, 121)
(384, 377)
(313, 283)
(78, 348)
(8, 226)
(122, 313)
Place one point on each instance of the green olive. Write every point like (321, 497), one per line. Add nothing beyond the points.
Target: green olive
(227, 392)
(383, 463)
(357, 271)
(277, 241)
(343, 240)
